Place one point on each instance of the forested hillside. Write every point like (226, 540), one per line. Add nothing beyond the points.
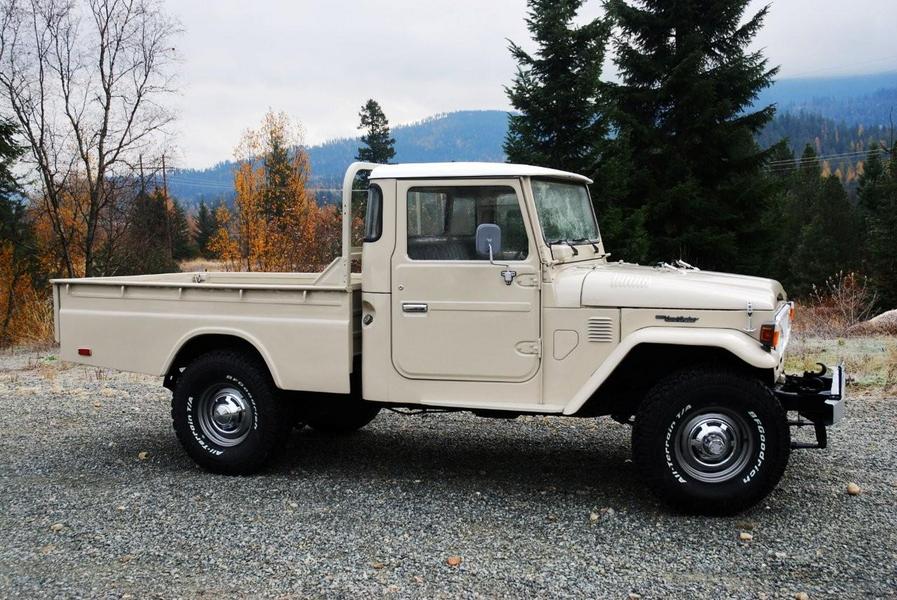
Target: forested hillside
(867, 99)
(844, 116)
(843, 147)
(464, 135)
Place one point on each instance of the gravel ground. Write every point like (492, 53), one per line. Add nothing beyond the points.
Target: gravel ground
(534, 507)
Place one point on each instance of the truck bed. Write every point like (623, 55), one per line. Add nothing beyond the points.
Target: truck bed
(305, 328)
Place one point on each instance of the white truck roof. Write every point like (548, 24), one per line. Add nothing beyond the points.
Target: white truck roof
(468, 169)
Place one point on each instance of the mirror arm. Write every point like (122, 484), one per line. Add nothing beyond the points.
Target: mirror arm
(491, 261)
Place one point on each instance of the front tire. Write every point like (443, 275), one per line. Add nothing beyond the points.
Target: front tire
(227, 413)
(711, 441)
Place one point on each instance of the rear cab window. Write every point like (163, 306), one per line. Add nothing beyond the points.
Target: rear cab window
(373, 215)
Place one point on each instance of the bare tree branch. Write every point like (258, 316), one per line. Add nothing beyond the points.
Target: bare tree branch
(86, 81)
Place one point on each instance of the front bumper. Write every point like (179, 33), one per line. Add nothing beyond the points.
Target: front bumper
(817, 397)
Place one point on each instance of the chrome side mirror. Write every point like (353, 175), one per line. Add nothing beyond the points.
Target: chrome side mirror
(488, 240)
(488, 244)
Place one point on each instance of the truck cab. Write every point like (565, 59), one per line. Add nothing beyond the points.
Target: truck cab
(484, 287)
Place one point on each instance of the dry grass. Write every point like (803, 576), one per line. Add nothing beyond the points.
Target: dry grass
(202, 264)
(32, 323)
(870, 362)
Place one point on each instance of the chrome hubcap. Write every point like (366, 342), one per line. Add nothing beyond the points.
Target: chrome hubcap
(225, 416)
(713, 446)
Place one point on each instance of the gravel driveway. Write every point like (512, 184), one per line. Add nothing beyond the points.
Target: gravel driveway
(536, 506)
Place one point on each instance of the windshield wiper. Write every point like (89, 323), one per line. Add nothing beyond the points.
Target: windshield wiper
(594, 243)
(568, 242)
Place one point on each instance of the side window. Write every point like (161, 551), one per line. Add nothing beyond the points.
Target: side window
(442, 222)
(373, 215)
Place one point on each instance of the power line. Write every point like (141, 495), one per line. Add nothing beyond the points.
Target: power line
(821, 157)
(842, 155)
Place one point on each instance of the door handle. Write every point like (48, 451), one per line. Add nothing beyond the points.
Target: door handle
(414, 307)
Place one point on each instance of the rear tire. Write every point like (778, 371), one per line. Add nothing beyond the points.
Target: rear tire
(711, 441)
(227, 413)
(340, 415)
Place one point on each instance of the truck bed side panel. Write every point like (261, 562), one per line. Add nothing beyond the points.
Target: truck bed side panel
(304, 335)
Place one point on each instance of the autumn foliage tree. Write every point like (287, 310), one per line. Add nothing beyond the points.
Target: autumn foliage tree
(275, 224)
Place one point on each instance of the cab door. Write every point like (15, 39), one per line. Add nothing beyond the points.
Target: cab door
(455, 315)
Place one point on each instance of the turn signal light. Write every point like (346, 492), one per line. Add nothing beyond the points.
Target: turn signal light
(769, 335)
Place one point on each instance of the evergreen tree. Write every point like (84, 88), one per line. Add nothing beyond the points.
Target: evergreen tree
(878, 200)
(379, 146)
(827, 240)
(206, 226)
(811, 228)
(15, 228)
(871, 186)
(10, 151)
(685, 127)
(147, 249)
(278, 170)
(182, 245)
(558, 91)
(17, 243)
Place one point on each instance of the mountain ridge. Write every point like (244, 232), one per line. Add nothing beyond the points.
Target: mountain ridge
(862, 104)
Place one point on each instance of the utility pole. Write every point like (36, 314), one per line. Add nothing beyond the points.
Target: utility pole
(142, 180)
(164, 178)
(166, 207)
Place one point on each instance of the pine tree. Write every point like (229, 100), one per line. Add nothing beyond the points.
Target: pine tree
(206, 226)
(871, 185)
(147, 249)
(379, 146)
(18, 253)
(810, 227)
(182, 244)
(10, 151)
(558, 91)
(278, 170)
(881, 225)
(685, 127)
(826, 244)
(15, 228)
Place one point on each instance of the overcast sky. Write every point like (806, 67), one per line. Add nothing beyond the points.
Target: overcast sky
(319, 60)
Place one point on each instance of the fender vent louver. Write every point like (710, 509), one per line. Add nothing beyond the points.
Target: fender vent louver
(601, 329)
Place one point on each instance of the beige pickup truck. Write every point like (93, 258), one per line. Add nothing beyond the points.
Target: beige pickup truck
(484, 288)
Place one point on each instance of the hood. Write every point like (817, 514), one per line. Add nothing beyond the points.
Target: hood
(635, 286)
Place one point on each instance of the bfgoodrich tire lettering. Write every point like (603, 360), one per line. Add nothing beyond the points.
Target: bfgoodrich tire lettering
(711, 440)
(227, 414)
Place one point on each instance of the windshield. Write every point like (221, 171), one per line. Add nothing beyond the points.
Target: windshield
(565, 211)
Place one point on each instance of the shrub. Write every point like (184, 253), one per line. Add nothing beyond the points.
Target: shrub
(842, 302)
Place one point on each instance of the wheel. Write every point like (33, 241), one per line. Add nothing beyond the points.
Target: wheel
(227, 414)
(711, 441)
(340, 414)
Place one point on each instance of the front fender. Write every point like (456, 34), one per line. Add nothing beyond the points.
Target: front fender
(738, 343)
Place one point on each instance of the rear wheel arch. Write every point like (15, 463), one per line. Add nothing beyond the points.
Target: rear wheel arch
(203, 343)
